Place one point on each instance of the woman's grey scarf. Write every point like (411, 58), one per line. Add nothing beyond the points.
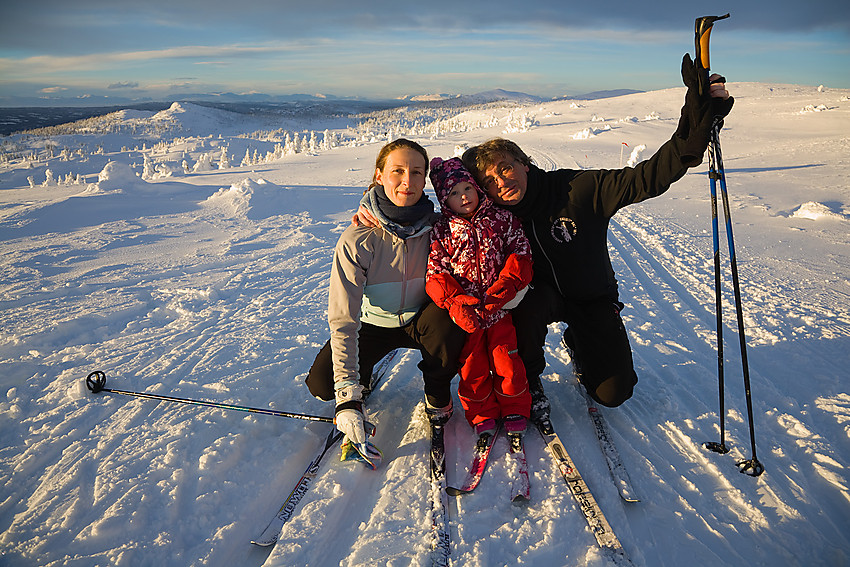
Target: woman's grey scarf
(402, 221)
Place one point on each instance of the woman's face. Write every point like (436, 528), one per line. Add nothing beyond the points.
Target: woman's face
(403, 176)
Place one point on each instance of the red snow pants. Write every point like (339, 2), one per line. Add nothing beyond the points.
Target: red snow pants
(493, 384)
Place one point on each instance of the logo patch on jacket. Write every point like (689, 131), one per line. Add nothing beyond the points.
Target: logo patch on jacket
(563, 230)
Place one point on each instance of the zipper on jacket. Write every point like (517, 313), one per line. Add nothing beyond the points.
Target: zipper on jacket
(543, 250)
(475, 245)
(404, 279)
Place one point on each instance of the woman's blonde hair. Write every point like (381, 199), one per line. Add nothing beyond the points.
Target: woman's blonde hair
(381, 160)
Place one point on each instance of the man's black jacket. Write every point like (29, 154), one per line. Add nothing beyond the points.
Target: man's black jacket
(565, 214)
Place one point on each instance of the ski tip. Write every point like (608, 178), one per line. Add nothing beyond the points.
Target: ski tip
(625, 489)
(365, 453)
(520, 500)
(618, 556)
(455, 491)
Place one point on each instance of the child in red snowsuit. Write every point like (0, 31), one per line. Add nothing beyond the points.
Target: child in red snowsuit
(480, 260)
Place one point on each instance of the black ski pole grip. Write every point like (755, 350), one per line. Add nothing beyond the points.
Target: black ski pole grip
(96, 381)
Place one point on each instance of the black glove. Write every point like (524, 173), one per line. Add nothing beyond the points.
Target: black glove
(699, 113)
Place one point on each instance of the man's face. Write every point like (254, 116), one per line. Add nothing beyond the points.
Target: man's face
(506, 180)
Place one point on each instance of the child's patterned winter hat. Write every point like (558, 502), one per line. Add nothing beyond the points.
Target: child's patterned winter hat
(445, 174)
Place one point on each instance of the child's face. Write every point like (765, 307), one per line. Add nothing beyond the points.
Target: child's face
(463, 199)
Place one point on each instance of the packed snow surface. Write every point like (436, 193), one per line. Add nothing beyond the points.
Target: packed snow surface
(186, 253)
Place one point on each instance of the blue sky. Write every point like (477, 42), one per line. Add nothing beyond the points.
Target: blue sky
(90, 49)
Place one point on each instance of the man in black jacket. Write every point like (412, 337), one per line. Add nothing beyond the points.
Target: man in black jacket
(565, 214)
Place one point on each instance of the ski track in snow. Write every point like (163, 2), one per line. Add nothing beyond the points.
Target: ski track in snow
(213, 286)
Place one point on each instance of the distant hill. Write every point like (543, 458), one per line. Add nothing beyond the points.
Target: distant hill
(601, 94)
(20, 118)
(477, 98)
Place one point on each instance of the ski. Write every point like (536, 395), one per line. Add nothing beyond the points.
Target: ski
(479, 463)
(618, 471)
(441, 543)
(272, 531)
(619, 474)
(605, 537)
(521, 485)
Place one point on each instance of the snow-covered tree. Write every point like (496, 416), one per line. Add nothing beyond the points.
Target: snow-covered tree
(635, 157)
(148, 169)
(204, 163)
(288, 148)
(223, 159)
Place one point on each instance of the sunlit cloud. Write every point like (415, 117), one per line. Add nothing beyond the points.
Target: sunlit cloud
(41, 64)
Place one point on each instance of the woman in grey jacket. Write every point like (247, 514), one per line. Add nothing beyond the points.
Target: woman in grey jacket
(377, 300)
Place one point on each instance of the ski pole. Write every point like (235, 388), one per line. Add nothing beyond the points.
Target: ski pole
(702, 34)
(750, 466)
(96, 382)
(717, 173)
(718, 310)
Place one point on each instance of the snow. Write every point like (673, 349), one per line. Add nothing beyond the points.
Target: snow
(817, 211)
(212, 285)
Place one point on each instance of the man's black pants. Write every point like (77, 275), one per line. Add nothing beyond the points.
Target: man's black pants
(596, 336)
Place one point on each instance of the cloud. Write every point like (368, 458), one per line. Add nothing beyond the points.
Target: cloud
(92, 25)
(124, 85)
(182, 86)
(51, 90)
(46, 65)
(381, 46)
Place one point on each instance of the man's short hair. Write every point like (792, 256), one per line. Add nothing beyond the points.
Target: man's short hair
(478, 158)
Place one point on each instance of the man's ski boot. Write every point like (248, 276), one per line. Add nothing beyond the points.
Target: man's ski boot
(438, 415)
(539, 404)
